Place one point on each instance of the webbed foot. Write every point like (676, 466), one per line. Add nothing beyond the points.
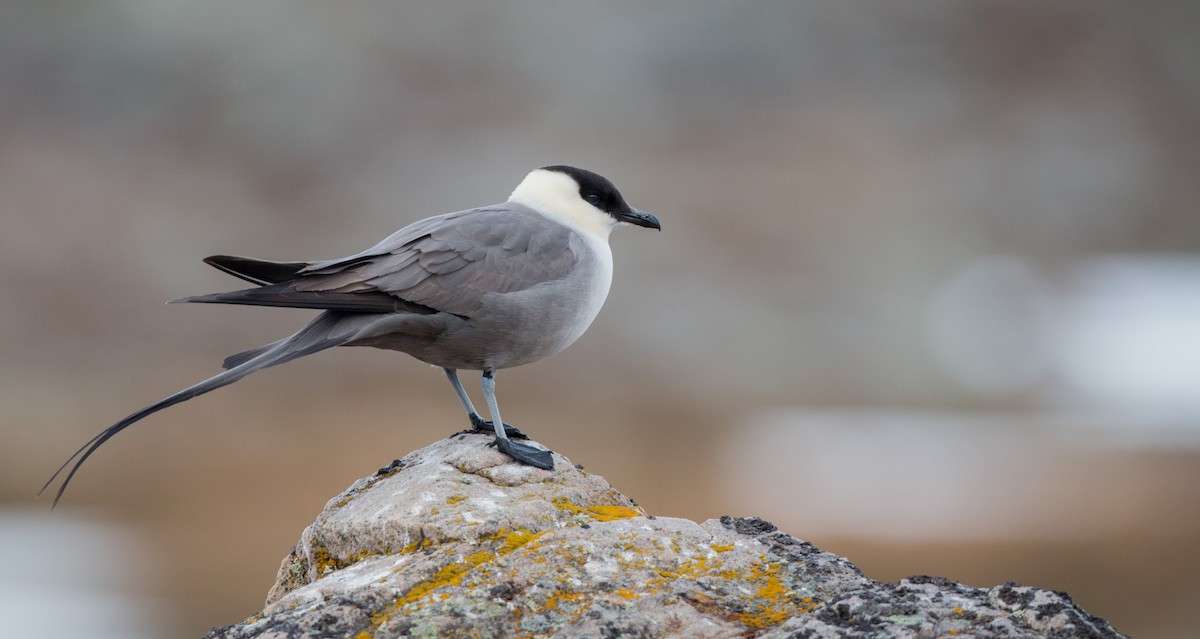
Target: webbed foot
(526, 454)
(481, 426)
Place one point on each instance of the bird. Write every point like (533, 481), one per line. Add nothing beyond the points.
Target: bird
(483, 289)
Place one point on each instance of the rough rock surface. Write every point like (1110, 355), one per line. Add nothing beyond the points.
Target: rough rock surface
(456, 540)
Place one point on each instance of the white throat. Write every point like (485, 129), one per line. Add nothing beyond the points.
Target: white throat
(556, 195)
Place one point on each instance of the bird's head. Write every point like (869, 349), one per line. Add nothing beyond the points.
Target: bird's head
(580, 197)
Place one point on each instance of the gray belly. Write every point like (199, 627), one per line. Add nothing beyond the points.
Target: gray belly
(508, 330)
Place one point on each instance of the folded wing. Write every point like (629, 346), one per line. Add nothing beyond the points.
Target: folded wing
(442, 264)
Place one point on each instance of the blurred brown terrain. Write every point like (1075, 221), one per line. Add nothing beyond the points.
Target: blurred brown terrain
(927, 293)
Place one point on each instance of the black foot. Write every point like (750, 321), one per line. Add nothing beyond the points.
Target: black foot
(525, 453)
(478, 424)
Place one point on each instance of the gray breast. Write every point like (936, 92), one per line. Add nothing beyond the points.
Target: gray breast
(511, 285)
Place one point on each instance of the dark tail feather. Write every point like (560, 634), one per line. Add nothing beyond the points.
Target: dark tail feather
(312, 338)
(237, 359)
(256, 271)
(283, 295)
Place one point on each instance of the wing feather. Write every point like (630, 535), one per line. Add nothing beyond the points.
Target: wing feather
(446, 263)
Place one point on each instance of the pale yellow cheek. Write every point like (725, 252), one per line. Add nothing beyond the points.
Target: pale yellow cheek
(557, 196)
(587, 219)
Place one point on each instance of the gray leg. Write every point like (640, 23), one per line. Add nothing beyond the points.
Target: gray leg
(452, 375)
(523, 453)
(477, 422)
(489, 394)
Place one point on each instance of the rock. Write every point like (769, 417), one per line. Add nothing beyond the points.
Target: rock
(456, 539)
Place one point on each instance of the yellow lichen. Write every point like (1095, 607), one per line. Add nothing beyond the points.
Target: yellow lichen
(774, 602)
(599, 512)
(450, 575)
(772, 589)
(562, 503)
(511, 540)
(325, 562)
(416, 545)
(495, 546)
(771, 603)
(611, 513)
(694, 568)
(454, 499)
(666, 574)
(557, 599)
(765, 596)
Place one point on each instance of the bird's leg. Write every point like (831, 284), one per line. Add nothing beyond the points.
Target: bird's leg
(477, 422)
(523, 453)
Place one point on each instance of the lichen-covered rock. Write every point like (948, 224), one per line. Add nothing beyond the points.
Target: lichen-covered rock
(457, 540)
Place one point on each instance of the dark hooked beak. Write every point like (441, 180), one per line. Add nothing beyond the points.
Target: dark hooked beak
(641, 218)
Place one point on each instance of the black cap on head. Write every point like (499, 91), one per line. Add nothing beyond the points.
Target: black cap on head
(600, 192)
(595, 188)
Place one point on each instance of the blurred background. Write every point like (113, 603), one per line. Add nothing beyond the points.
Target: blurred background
(927, 293)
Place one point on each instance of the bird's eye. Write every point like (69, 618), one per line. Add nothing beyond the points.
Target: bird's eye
(593, 199)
